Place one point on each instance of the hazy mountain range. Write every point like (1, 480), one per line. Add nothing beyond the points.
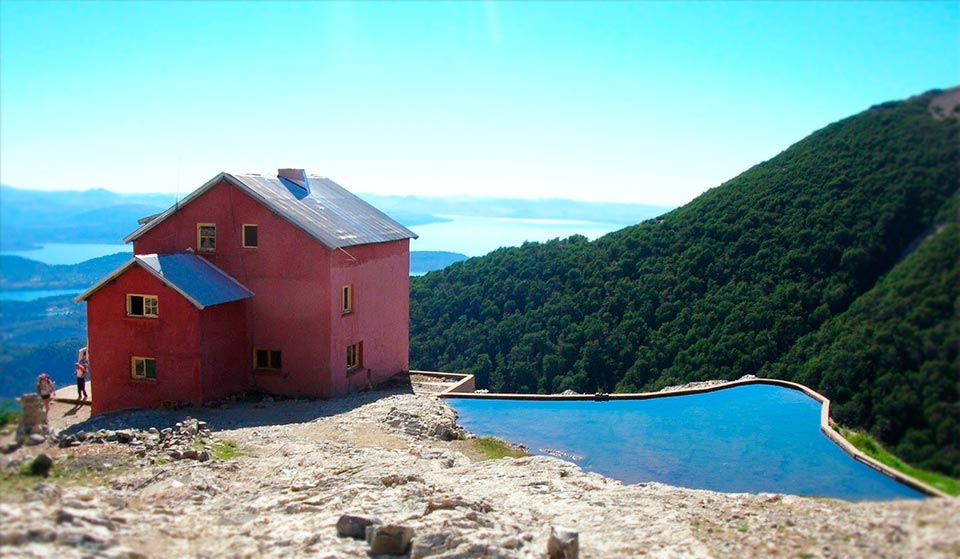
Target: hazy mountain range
(32, 217)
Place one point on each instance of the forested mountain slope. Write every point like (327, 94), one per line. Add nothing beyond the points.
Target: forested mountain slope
(892, 360)
(722, 287)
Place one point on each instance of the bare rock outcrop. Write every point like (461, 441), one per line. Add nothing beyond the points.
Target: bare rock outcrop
(304, 465)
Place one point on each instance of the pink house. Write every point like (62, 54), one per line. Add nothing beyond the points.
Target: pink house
(283, 284)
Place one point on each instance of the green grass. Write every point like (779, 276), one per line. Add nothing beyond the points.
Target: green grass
(68, 471)
(869, 446)
(493, 448)
(220, 450)
(225, 450)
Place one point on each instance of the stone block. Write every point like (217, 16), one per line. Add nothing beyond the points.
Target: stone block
(41, 465)
(563, 543)
(355, 525)
(389, 539)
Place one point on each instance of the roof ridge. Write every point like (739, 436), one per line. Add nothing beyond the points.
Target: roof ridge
(328, 212)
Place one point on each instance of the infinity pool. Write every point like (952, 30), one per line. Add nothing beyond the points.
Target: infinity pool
(747, 439)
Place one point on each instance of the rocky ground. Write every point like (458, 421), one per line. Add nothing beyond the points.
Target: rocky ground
(396, 456)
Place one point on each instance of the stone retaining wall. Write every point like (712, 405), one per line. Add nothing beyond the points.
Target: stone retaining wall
(465, 384)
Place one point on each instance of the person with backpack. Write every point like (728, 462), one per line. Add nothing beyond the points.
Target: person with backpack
(46, 389)
(80, 371)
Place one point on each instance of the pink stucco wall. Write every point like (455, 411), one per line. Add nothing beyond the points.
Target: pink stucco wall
(113, 338)
(224, 359)
(380, 275)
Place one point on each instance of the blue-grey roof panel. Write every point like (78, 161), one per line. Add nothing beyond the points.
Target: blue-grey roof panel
(195, 278)
(329, 212)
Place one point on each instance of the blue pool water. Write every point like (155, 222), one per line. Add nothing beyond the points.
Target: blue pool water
(747, 439)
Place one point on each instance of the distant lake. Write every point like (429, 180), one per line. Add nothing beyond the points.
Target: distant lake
(34, 294)
(69, 253)
(476, 236)
(752, 439)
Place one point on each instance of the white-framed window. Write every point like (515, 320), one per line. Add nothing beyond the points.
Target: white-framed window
(146, 306)
(143, 368)
(346, 299)
(207, 237)
(251, 237)
(355, 356)
(267, 359)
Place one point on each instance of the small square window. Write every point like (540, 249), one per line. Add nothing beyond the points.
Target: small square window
(250, 238)
(143, 368)
(346, 299)
(354, 356)
(266, 359)
(147, 306)
(207, 237)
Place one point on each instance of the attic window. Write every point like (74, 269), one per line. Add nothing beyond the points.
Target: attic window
(250, 237)
(147, 306)
(207, 237)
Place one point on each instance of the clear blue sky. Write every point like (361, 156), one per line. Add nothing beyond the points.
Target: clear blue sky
(650, 102)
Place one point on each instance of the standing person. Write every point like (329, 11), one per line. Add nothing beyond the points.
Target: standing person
(80, 370)
(83, 357)
(46, 389)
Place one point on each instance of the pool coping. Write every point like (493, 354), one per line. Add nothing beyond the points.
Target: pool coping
(465, 385)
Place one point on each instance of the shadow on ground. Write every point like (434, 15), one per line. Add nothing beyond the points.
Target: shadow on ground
(252, 411)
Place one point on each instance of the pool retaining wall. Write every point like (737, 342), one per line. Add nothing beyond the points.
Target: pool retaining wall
(466, 383)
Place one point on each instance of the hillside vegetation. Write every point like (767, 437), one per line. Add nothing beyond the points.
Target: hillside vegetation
(771, 273)
(892, 360)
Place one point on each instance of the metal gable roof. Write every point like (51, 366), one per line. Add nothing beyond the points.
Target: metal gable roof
(199, 281)
(329, 213)
(325, 210)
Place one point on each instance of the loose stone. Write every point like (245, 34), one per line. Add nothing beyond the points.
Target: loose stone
(355, 525)
(41, 465)
(563, 543)
(390, 539)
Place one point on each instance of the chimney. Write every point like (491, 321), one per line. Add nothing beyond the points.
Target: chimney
(298, 177)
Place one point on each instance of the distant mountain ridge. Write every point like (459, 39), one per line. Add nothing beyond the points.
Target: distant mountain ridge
(772, 273)
(32, 217)
(23, 273)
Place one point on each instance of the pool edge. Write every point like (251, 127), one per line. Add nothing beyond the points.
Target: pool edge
(464, 387)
